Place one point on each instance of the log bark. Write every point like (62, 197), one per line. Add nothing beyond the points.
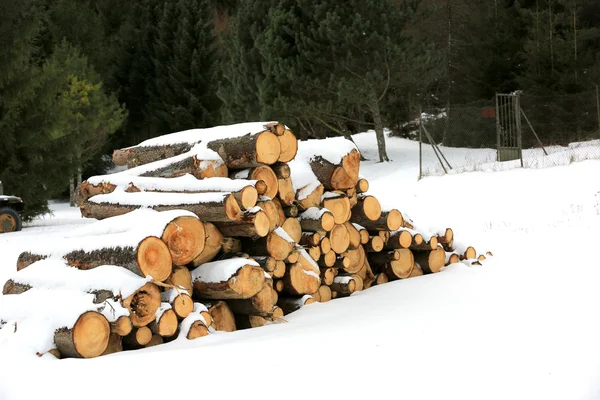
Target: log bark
(140, 155)
(201, 169)
(253, 223)
(155, 341)
(337, 176)
(242, 282)
(431, 261)
(289, 146)
(339, 238)
(151, 257)
(299, 280)
(417, 271)
(339, 205)
(366, 211)
(291, 304)
(366, 274)
(400, 239)
(274, 244)
(88, 338)
(261, 303)
(115, 344)
(344, 284)
(310, 238)
(252, 150)
(420, 244)
(165, 324)
(381, 279)
(317, 220)
(185, 238)
(223, 318)
(310, 199)
(209, 207)
(282, 170)
(291, 211)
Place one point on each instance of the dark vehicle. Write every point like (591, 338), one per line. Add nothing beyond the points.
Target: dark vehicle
(10, 212)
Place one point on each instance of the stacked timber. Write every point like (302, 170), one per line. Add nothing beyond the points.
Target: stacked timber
(220, 229)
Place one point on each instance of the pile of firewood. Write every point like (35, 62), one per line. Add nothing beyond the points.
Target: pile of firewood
(247, 225)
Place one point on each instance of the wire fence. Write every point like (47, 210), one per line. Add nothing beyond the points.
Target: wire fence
(554, 130)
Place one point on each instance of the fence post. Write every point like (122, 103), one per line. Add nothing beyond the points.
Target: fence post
(598, 106)
(420, 143)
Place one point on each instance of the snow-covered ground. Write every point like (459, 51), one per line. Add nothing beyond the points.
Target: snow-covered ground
(524, 325)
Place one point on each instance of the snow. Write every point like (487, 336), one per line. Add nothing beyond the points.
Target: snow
(342, 279)
(169, 296)
(149, 199)
(161, 310)
(279, 231)
(521, 326)
(220, 271)
(185, 183)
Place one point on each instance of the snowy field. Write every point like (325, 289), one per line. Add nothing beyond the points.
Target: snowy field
(525, 325)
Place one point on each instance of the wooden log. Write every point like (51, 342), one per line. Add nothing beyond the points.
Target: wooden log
(279, 207)
(235, 278)
(155, 341)
(291, 304)
(88, 338)
(185, 238)
(325, 245)
(276, 244)
(292, 227)
(310, 239)
(260, 173)
(289, 146)
(181, 302)
(314, 252)
(431, 261)
(252, 150)
(293, 257)
(280, 269)
(375, 245)
(343, 175)
(197, 330)
(339, 238)
(140, 155)
(400, 239)
(384, 235)
(401, 268)
(285, 191)
(142, 304)
(364, 234)
(180, 166)
(272, 212)
(261, 303)
(317, 220)
(366, 275)
(420, 244)
(417, 271)
(291, 211)
(115, 345)
(151, 257)
(267, 263)
(253, 223)
(352, 196)
(355, 238)
(310, 196)
(380, 279)
(344, 284)
(328, 259)
(362, 185)
(356, 259)
(366, 211)
(339, 205)
(327, 275)
(276, 127)
(282, 170)
(452, 258)
(165, 324)
(388, 221)
(181, 278)
(212, 244)
(323, 295)
(223, 318)
(278, 285)
(122, 326)
(468, 253)
(299, 280)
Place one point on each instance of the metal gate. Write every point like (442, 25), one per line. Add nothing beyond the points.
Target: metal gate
(508, 127)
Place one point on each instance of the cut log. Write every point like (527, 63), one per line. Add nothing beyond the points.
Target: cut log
(140, 155)
(362, 186)
(325, 245)
(375, 245)
(384, 235)
(352, 196)
(282, 170)
(88, 338)
(182, 165)
(366, 211)
(197, 330)
(260, 173)
(248, 151)
(234, 278)
(381, 279)
(339, 205)
(293, 257)
(344, 284)
(278, 285)
(166, 323)
(299, 280)
(354, 235)
(285, 191)
(431, 261)
(292, 227)
(155, 341)
(388, 221)
(291, 304)
(343, 175)
(452, 258)
(289, 146)
(323, 295)
(314, 252)
(317, 220)
(401, 268)
(328, 259)
(223, 318)
(279, 269)
(327, 275)
(122, 326)
(267, 263)
(400, 239)
(291, 211)
(339, 238)
(420, 244)
(253, 223)
(276, 127)
(143, 304)
(356, 259)
(310, 196)
(364, 234)
(185, 237)
(279, 207)
(151, 257)
(181, 302)
(115, 344)
(181, 278)
(212, 244)
(417, 271)
(261, 303)
(469, 253)
(367, 275)
(271, 211)
(310, 239)
(277, 244)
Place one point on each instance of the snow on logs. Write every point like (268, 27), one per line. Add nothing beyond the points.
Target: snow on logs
(220, 229)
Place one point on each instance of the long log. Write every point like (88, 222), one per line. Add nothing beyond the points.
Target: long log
(276, 244)
(317, 220)
(387, 221)
(431, 261)
(339, 176)
(262, 173)
(248, 151)
(210, 207)
(88, 338)
(140, 155)
(339, 205)
(151, 257)
(234, 278)
(253, 223)
(366, 211)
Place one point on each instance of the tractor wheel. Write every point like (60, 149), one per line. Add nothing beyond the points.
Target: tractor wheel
(10, 220)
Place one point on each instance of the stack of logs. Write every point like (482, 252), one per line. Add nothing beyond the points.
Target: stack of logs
(253, 248)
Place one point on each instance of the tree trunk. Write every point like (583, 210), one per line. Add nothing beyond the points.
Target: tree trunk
(381, 148)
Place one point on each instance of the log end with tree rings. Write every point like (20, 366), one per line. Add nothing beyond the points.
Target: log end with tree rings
(431, 261)
(247, 197)
(167, 324)
(362, 186)
(371, 208)
(223, 318)
(325, 245)
(402, 267)
(87, 339)
(339, 207)
(268, 148)
(394, 220)
(470, 253)
(154, 258)
(122, 326)
(143, 304)
(183, 305)
(185, 238)
(346, 176)
(181, 278)
(204, 169)
(261, 187)
(327, 221)
(232, 209)
(433, 242)
(289, 146)
(339, 238)
(197, 330)
(293, 228)
(272, 213)
(261, 224)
